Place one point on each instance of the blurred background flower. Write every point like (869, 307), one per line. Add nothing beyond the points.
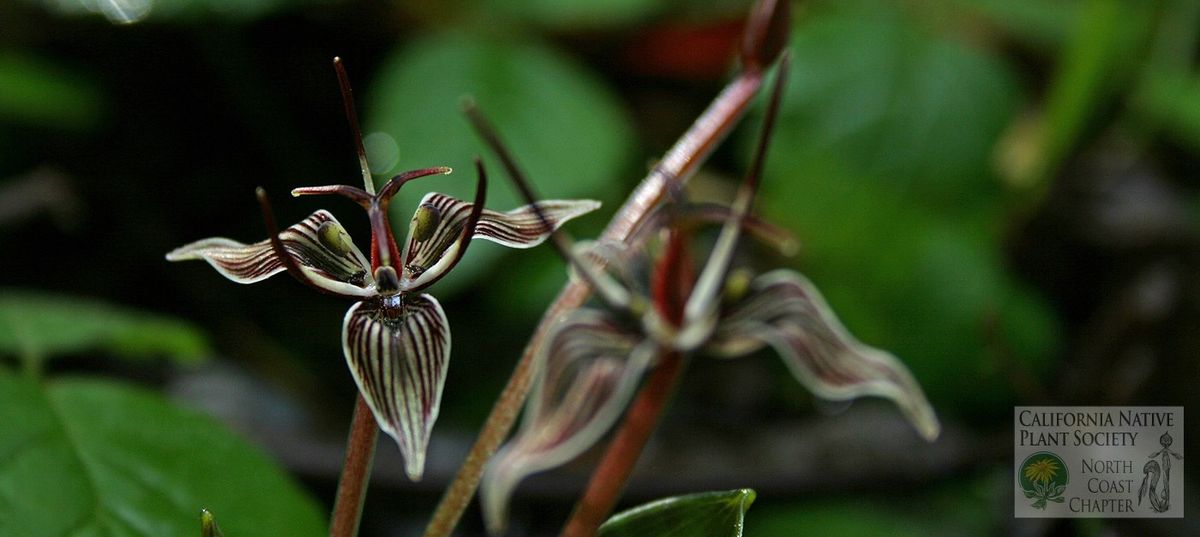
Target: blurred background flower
(1002, 193)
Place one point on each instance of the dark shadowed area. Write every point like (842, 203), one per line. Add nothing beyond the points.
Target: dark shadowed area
(1005, 195)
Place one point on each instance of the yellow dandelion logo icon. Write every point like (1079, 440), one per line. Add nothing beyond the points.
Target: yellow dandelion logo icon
(1041, 470)
(1043, 478)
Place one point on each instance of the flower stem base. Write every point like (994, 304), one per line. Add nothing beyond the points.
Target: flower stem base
(356, 473)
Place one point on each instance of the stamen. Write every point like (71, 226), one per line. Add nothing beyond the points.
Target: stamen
(468, 231)
(393, 185)
(701, 308)
(333, 237)
(285, 257)
(425, 222)
(357, 195)
(608, 289)
(352, 117)
(737, 285)
(383, 245)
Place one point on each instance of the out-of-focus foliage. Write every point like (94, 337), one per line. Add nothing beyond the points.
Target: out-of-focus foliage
(1044, 24)
(1107, 40)
(1172, 100)
(577, 13)
(569, 132)
(952, 510)
(920, 139)
(94, 457)
(881, 166)
(706, 514)
(914, 111)
(39, 326)
(37, 92)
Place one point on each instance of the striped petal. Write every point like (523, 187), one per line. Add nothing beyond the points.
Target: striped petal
(433, 234)
(590, 368)
(784, 310)
(398, 349)
(319, 244)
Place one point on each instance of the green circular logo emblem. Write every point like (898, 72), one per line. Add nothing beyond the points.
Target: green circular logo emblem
(1043, 478)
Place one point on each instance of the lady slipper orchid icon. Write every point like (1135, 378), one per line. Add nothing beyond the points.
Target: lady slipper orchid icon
(395, 338)
(594, 359)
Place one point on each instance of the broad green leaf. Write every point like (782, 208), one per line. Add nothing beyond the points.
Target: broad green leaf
(101, 459)
(37, 326)
(838, 518)
(37, 92)
(870, 91)
(958, 507)
(882, 168)
(929, 287)
(707, 514)
(565, 128)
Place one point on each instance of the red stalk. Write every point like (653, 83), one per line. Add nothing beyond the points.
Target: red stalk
(352, 488)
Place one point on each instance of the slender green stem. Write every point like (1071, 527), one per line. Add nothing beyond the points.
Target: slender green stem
(356, 472)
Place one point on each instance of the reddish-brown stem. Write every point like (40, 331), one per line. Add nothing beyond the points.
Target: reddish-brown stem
(671, 283)
(608, 480)
(680, 162)
(677, 166)
(356, 472)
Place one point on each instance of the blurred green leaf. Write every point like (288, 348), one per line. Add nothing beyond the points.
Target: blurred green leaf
(38, 92)
(37, 326)
(929, 287)
(881, 166)
(91, 457)
(872, 92)
(707, 514)
(1043, 23)
(565, 128)
(848, 517)
(576, 14)
(1175, 35)
(1107, 41)
(958, 507)
(1171, 100)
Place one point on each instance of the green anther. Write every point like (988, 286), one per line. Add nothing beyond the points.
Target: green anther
(334, 238)
(737, 284)
(425, 221)
(638, 306)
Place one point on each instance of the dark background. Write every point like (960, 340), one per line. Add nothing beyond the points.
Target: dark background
(1003, 194)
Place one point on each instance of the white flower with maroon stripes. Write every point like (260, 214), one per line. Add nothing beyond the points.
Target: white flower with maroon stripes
(396, 338)
(591, 363)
